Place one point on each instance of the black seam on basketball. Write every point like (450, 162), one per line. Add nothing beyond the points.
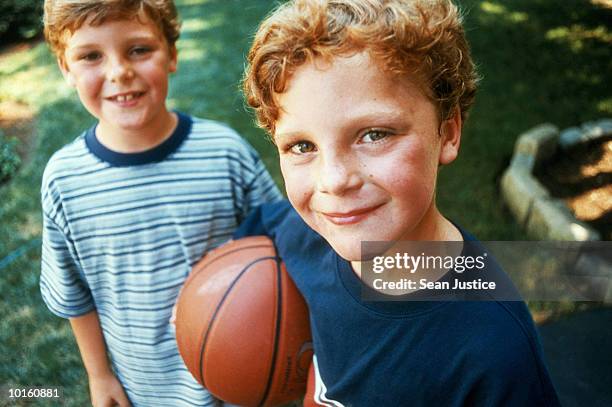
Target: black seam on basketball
(194, 272)
(279, 308)
(218, 307)
(257, 246)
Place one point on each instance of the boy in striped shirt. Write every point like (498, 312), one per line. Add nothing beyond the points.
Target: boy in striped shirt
(133, 202)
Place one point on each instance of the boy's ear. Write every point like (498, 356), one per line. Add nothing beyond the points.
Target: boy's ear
(450, 132)
(173, 58)
(68, 76)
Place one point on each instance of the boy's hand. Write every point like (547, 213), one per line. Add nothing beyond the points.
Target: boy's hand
(106, 391)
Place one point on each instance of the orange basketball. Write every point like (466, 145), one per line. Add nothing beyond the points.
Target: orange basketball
(242, 326)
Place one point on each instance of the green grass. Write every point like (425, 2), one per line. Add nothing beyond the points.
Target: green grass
(541, 61)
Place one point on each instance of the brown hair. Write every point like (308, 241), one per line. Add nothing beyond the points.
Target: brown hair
(423, 37)
(63, 16)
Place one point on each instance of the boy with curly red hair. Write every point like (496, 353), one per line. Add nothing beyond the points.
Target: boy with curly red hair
(365, 100)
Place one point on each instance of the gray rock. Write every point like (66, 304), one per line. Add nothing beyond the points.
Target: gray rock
(519, 190)
(570, 137)
(523, 162)
(530, 203)
(551, 219)
(596, 129)
(589, 131)
(540, 142)
(606, 126)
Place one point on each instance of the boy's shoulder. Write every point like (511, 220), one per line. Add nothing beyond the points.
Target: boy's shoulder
(204, 135)
(499, 342)
(505, 328)
(496, 322)
(68, 160)
(219, 135)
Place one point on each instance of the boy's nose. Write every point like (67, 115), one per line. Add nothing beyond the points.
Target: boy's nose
(120, 71)
(338, 175)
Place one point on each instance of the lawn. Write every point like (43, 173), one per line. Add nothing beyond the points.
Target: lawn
(541, 61)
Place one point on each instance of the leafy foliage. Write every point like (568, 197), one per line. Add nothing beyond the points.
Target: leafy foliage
(20, 19)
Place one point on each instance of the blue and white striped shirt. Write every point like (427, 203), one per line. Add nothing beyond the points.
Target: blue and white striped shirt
(121, 232)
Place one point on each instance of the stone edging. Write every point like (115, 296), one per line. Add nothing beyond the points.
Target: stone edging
(543, 216)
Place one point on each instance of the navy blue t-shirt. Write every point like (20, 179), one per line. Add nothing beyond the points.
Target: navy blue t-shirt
(407, 353)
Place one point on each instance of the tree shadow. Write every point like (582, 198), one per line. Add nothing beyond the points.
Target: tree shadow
(542, 57)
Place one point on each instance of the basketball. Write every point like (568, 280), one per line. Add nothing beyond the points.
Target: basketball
(242, 326)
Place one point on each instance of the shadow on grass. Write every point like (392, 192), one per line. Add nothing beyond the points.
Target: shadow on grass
(545, 60)
(36, 348)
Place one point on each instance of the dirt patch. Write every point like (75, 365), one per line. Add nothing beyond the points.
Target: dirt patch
(602, 3)
(17, 120)
(583, 178)
(13, 112)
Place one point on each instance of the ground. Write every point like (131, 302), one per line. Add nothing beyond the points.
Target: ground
(583, 178)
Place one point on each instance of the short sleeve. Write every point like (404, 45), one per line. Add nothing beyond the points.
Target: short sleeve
(63, 288)
(258, 186)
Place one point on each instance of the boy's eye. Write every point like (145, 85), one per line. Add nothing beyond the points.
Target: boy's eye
(90, 56)
(302, 147)
(140, 50)
(372, 136)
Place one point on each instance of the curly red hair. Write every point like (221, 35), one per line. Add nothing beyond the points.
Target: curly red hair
(416, 37)
(66, 16)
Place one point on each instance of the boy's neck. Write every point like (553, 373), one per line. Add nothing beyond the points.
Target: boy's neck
(142, 139)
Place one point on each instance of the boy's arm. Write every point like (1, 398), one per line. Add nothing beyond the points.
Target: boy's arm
(104, 387)
(65, 291)
(266, 220)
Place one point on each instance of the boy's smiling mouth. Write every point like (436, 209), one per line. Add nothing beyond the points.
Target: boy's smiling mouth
(350, 217)
(125, 98)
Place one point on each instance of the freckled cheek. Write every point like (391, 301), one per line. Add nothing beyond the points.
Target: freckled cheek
(407, 174)
(157, 77)
(298, 183)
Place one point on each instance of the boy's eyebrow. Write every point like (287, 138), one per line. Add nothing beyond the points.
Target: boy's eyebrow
(378, 115)
(367, 119)
(126, 39)
(83, 46)
(288, 134)
(146, 37)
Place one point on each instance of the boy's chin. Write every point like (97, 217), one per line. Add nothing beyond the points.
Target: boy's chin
(349, 252)
(357, 251)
